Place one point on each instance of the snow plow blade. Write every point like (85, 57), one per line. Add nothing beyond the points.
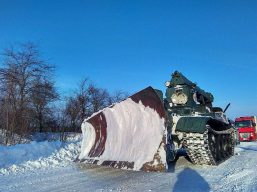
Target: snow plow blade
(127, 135)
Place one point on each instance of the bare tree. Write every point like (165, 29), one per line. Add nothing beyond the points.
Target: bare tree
(98, 98)
(25, 85)
(27, 95)
(82, 96)
(42, 94)
(88, 99)
(72, 112)
(118, 96)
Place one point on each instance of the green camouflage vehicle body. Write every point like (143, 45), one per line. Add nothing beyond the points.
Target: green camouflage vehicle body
(194, 124)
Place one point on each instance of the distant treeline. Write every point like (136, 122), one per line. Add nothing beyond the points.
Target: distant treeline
(30, 102)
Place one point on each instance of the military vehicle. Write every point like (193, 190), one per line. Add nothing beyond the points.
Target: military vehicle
(247, 128)
(145, 131)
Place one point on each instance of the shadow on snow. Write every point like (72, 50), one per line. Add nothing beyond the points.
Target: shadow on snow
(190, 180)
(249, 148)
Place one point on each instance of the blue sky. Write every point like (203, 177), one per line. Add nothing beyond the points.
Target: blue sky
(129, 45)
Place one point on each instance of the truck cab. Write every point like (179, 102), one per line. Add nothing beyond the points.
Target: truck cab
(247, 128)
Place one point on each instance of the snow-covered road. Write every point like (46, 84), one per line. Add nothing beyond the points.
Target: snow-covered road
(239, 173)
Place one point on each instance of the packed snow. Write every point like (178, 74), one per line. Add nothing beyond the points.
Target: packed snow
(22, 157)
(88, 141)
(128, 135)
(236, 174)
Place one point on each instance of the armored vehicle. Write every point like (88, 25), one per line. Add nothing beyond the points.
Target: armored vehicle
(194, 124)
(145, 131)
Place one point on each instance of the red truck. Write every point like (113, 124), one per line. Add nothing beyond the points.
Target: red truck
(246, 128)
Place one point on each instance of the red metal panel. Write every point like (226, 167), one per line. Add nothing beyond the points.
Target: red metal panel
(99, 123)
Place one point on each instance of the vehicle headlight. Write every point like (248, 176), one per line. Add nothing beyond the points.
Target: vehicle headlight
(179, 98)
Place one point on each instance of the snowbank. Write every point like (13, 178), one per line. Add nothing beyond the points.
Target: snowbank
(20, 153)
(134, 134)
(37, 155)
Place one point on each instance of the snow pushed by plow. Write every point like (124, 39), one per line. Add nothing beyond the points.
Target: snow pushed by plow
(37, 155)
(134, 134)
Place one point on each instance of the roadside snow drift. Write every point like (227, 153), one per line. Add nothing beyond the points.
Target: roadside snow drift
(20, 153)
(134, 134)
(37, 155)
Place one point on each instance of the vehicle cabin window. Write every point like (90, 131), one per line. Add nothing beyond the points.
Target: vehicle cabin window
(243, 124)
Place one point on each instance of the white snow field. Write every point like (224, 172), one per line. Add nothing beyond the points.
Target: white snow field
(23, 157)
(51, 167)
